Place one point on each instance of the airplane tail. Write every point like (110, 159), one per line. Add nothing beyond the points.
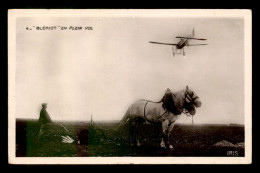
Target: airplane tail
(193, 33)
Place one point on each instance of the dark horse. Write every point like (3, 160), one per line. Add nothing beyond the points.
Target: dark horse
(166, 112)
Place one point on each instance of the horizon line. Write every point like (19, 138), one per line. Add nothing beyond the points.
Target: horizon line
(119, 120)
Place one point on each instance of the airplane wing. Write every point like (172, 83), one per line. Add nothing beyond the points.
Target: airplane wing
(192, 38)
(196, 44)
(163, 43)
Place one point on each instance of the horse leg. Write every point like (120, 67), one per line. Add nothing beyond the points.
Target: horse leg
(170, 127)
(134, 131)
(164, 133)
(138, 144)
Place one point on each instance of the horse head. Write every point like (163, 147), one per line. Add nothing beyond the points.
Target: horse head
(191, 100)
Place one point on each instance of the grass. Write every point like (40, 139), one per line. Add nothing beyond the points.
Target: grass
(105, 140)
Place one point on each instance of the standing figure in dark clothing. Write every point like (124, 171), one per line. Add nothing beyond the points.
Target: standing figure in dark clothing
(46, 119)
(44, 116)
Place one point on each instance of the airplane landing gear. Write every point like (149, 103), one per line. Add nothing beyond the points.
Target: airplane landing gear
(173, 51)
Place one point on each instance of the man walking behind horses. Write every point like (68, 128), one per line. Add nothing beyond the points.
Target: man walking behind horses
(45, 119)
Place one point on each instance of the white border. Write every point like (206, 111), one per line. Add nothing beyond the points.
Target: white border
(245, 14)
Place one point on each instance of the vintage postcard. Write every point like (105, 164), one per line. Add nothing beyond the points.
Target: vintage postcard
(129, 86)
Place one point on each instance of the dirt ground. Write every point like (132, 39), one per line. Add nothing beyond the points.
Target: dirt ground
(105, 139)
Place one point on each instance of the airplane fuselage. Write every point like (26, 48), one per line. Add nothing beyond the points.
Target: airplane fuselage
(184, 42)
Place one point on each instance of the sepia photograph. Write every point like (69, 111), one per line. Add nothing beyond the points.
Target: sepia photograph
(129, 86)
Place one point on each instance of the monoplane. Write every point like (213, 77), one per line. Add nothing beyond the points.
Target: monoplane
(185, 41)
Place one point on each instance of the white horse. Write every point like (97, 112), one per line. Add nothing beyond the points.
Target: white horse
(166, 112)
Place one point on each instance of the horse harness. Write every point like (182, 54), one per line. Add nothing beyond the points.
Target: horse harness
(147, 101)
(191, 100)
(184, 110)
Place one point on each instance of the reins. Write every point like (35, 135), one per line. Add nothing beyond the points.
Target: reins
(187, 114)
(184, 111)
(147, 101)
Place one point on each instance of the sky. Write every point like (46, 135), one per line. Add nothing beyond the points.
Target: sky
(101, 72)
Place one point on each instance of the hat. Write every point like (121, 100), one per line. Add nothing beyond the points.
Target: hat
(44, 104)
(168, 90)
